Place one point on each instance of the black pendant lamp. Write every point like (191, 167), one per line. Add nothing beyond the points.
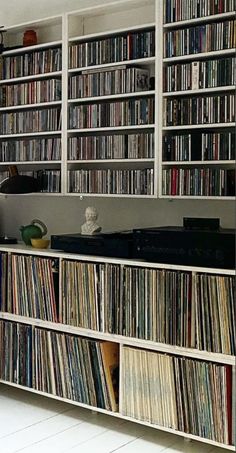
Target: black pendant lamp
(17, 184)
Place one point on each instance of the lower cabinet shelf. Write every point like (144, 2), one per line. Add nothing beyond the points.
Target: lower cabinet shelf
(93, 348)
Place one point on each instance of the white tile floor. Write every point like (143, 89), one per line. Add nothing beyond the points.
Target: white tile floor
(31, 424)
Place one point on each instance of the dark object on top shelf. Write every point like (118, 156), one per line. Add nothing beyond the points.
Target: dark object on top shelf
(19, 184)
(184, 246)
(7, 240)
(201, 223)
(118, 244)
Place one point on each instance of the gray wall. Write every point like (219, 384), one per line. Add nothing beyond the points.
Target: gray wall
(65, 214)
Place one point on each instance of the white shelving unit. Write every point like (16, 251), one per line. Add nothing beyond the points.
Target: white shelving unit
(49, 36)
(123, 341)
(98, 23)
(166, 175)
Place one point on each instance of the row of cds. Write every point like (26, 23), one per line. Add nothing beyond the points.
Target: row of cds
(199, 146)
(171, 307)
(199, 74)
(177, 10)
(188, 395)
(127, 46)
(30, 121)
(59, 364)
(113, 81)
(132, 182)
(201, 38)
(128, 146)
(31, 63)
(31, 92)
(112, 114)
(198, 182)
(30, 150)
(199, 110)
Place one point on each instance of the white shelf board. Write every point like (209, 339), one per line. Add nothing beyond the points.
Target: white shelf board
(199, 91)
(198, 126)
(30, 134)
(108, 195)
(110, 128)
(198, 197)
(198, 162)
(46, 75)
(52, 20)
(31, 162)
(33, 194)
(101, 161)
(200, 55)
(30, 106)
(138, 61)
(112, 96)
(28, 250)
(28, 49)
(121, 339)
(117, 31)
(199, 20)
(119, 415)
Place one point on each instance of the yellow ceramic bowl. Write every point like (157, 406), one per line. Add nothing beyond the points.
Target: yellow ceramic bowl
(40, 243)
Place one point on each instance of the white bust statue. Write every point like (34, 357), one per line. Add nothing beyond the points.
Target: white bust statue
(90, 226)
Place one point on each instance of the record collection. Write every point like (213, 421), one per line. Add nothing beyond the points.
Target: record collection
(159, 305)
(60, 364)
(188, 395)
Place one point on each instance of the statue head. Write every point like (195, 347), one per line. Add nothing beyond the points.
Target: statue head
(91, 214)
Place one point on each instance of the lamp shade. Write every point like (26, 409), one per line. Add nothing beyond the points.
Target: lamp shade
(17, 184)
